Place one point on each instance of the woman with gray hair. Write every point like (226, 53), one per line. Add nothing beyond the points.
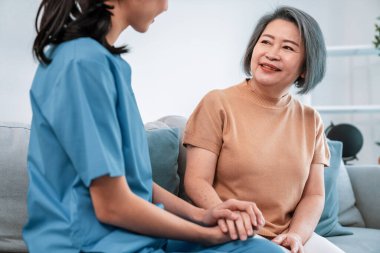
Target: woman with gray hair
(254, 141)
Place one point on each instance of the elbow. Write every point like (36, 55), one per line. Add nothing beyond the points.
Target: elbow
(117, 211)
(317, 200)
(107, 214)
(197, 189)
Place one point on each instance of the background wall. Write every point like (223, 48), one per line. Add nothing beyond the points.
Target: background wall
(197, 46)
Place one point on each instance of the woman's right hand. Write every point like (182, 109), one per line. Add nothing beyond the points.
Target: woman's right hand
(234, 230)
(247, 224)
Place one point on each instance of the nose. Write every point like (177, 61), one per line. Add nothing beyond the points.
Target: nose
(273, 54)
(272, 58)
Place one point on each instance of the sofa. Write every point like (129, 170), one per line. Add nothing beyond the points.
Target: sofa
(357, 186)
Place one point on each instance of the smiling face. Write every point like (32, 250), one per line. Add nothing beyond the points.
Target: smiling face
(277, 58)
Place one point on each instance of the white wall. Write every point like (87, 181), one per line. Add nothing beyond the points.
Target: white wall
(16, 64)
(197, 46)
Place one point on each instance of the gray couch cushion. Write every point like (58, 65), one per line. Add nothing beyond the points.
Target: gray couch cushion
(363, 240)
(365, 181)
(14, 139)
(349, 215)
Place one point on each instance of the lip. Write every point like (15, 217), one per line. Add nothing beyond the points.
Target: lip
(268, 66)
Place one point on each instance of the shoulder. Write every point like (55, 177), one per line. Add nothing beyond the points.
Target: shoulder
(82, 50)
(307, 111)
(223, 95)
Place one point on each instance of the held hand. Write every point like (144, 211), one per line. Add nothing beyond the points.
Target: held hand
(241, 228)
(291, 241)
(245, 215)
(225, 211)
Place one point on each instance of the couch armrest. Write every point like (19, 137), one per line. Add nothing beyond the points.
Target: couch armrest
(365, 181)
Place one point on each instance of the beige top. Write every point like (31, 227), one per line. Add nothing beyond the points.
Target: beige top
(265, 148)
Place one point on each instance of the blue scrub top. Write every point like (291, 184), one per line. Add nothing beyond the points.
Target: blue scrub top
(86, 124)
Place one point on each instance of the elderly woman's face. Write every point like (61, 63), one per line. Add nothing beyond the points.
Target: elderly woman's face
(278, 55)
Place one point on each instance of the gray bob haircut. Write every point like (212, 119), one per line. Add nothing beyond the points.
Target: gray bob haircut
(314, 64)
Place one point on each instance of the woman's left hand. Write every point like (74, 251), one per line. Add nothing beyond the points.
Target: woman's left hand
(291, 241)
(226, 210)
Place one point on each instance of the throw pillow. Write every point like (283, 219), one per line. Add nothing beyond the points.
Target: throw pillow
(175, 121)
(328, 224)
(163, 150)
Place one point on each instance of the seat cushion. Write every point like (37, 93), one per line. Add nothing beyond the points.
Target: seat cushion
(14, 139)
(364, 240)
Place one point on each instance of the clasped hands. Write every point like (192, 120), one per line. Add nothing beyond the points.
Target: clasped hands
(240, 219)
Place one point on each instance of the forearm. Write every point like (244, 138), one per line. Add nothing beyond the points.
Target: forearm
(306, 216)
(202, 193)
(115, 204)
(140, 216)
(177, 205)
(199, 177)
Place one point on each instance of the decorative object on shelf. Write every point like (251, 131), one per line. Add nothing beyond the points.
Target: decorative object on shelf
(350, 136)
(376, 42)
(378, 144)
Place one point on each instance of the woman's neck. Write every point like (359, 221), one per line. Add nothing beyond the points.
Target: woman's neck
(114, 34)
(118, 24)
(268, 91)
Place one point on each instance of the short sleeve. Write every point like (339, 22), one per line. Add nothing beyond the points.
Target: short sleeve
(204, 128)
(82, 114)
(321, 150)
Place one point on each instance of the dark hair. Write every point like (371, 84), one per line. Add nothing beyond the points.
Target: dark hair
(63, 20)
(315, 50)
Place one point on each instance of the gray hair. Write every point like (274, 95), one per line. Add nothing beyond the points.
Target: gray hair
(314, 64)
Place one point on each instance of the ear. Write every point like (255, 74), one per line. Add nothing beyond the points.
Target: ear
(303, 75)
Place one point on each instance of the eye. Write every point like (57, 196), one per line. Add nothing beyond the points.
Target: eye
(288, 48)
(265, 42)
